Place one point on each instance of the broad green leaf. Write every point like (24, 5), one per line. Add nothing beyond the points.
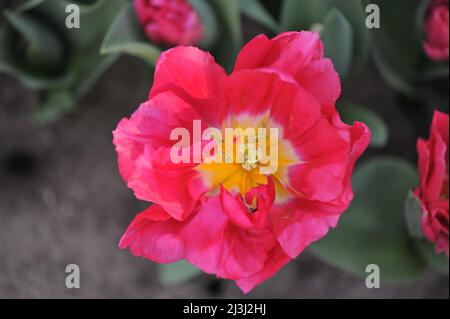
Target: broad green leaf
(354, 11)
(94, 21)
(9, 64)
(28, 5)
(351, 112)
(373, 230)
(125, 36)
(209, 21)
(92, 75)
(54, 105)
(85, 41)
(436, 261)
(412, 216)
(78, 70)
(397, 44)
(256, 11)
(41, 48)
(96, 17)
(37, 82)
(172, 274)
(229, 17)
(87, 6)
(420, 16)
(391, 74)
(337, 36)
(302, 14)
(44, 44)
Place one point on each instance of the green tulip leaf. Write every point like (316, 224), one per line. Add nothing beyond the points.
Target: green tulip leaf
(87, 6)
(412, 216)
(126, 36)
(231, 15)
(351, 112)
(95, 20)
(228, 14)
(256, 11)
(373, 230)
(209, 20)
(337, 35)
(354, 11)
(85, 41)
(397, 44)
(31, 78)
(90, 74)
(39, 47)
(28, 5)
(78, 71)
(55, 104)
(176, 273)
(302, 14)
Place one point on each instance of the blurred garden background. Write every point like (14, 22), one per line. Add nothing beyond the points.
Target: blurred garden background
(63, 91)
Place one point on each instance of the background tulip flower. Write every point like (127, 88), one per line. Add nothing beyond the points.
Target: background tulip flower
(227, 218)
(433, 189)
(436, 30)
(171, 22)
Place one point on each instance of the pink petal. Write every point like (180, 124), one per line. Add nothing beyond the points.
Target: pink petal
(256, 92)
(245, 252)
(324, 162)
(154, 235)
(299, 55)
(204, 235)
(195, 77)
(275, 260)
(143, 146)
(299, 223)
(217, 246)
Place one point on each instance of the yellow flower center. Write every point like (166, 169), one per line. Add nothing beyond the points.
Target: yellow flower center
(250, 151)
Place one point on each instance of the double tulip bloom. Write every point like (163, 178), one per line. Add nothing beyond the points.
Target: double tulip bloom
(436, 30)
(433, 189)
(171, 22)
(229, 219)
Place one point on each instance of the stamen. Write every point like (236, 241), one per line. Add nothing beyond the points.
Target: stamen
(253, 207)
(250, 158)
